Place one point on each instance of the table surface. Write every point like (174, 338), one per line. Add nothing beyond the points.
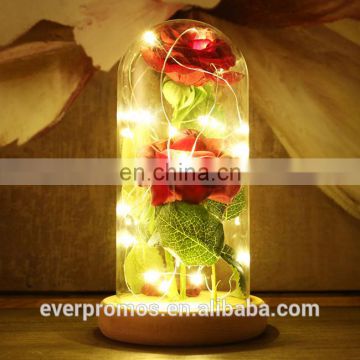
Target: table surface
(25, 334)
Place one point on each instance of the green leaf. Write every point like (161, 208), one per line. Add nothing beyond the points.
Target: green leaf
(230, 211)
(191, 233)
(190, 102)
(228, 255)
(237, 205)
(140, 259)
(175, 93)
(216, 208)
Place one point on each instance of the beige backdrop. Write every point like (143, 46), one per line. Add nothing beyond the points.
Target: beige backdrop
(63, 238)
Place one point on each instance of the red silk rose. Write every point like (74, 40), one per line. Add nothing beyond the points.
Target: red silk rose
(195, 51)
(190, 144)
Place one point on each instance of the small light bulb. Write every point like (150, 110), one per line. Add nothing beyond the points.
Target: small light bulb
(164, 286)
(203, 120)
(126, 133)
(172, 131)
(211, 122)
(185, 160)
(237, 221)
(150, 38)
(243, 129)
(196, 278)
(139, 116)
(126, 239)
(240, 150)
(144, 117)
(122, 209)
(243, 257)
(152, 276)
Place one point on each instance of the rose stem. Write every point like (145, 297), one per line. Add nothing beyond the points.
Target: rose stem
(170, 267)
(213, 283)
(182, 281)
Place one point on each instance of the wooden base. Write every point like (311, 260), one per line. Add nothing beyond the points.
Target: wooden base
(193, 330)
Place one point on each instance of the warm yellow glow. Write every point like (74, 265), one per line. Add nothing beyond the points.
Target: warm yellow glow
(210, 122)
(173, 131)
(240, 150)
(237, 221)
(196, 278)
(122, 209)
(152, 276)
(164, 286)
(136, 116)
(126, 133)
(201, 34)
(149, 37)
(243, 257)
(125, 239)
(243, 129)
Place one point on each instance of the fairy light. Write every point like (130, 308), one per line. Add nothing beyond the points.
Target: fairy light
(210, 122)
(125, 239)
(240, 150)
(126, 133)
(196, 278)
(164, 286)
(243, 129)
(150, 38)
(237, 221)
(173, 131)
(136, 116)
(184, 160)
(243, 257)
(122, 209)
(152, 276)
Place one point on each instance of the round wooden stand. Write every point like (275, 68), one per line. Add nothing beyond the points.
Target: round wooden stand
(181, 330)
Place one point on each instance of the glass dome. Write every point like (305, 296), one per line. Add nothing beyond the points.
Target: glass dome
(182, 105)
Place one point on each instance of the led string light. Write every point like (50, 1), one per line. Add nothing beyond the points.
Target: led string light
(211, 122)
(122, 209)
(126, 239)
(243, 129)
(126, 133)
(196, 278)
(150, 38)
(208, 115)
(243, 257)
(220, 71)
(161, 84)
(144, 117)
(152, 276)
(172, 131)
(212, 74)
(156, 278)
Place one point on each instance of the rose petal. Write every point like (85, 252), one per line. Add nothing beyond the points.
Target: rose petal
(196, 78)
(150, 290)
(224, 193)
(186, 143)
(162, 194)
(193, 194)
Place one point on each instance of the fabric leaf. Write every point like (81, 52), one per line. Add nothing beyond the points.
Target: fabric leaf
(228, 255)
(140, 259)
(227, 212)
(191, 233)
